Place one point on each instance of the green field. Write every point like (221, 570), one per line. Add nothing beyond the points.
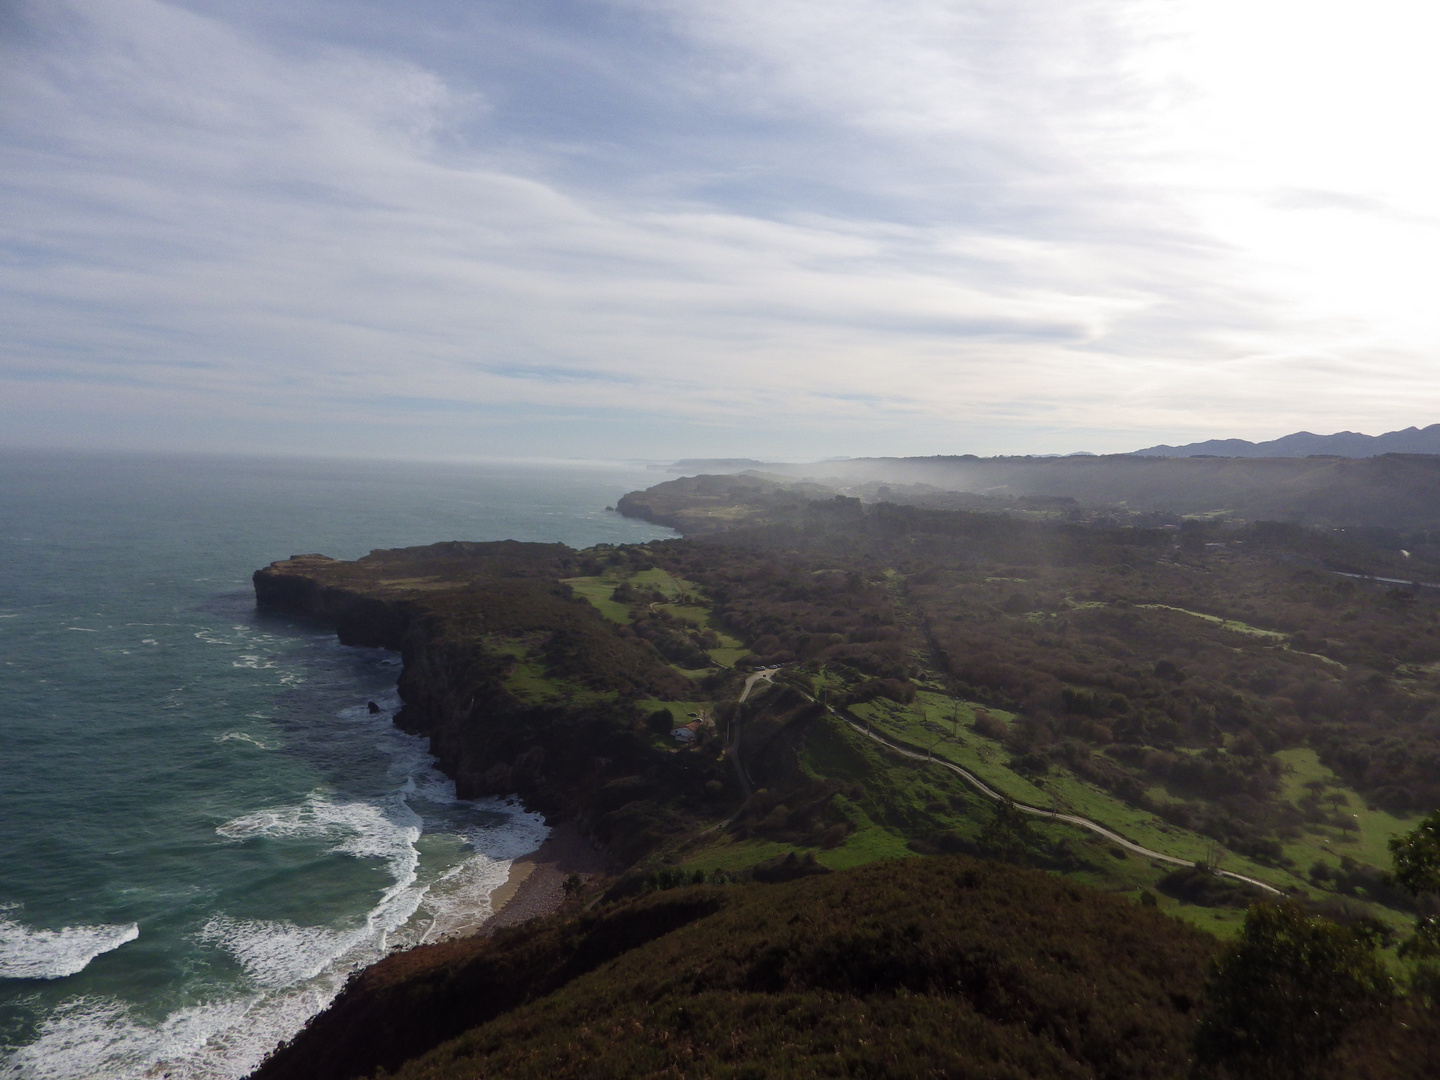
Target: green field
(929, 723)
(599, 591)
(1367, 842)
(680, 710)
(937, 723)
(1233, 625)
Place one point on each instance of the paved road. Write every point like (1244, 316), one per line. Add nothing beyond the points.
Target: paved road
(1073, 819)
(734, 748)
(985, 789)
(767, 675)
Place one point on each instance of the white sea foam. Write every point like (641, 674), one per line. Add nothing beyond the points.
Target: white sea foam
(462, 895)
(385, 830)
(279, 954)
(217, 1040)
(28, 953)
(254, 662)
(242, 736)
(292, 971)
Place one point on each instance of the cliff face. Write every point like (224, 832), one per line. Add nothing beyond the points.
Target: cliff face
(445, 689)
(297, 586)
(452, 687)
(520, 687)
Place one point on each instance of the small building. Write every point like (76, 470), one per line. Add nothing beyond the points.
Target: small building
(686, 732)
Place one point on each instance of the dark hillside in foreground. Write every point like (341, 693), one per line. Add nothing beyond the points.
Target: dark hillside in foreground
(922, 967)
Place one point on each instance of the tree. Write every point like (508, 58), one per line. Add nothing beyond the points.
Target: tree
(1006, 837)
(1417, 870)
(1280, 997)
(1417, 856)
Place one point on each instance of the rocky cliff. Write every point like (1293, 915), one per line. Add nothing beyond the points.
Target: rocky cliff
(520, 687)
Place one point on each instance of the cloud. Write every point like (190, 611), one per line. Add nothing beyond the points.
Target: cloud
(857, 221)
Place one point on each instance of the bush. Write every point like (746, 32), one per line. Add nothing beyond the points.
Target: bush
(1281, 998)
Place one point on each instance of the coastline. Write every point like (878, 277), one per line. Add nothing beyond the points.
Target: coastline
(535, 885)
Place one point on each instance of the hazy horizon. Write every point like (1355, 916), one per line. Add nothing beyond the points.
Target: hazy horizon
(659, 464)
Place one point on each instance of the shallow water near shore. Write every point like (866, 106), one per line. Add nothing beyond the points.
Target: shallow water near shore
(203, 827)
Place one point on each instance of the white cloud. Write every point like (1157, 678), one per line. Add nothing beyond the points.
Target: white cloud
(913, 214)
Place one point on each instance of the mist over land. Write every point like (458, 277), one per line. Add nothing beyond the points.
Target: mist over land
(1344, 480)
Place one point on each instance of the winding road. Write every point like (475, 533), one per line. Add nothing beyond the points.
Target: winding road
(983, 788)
(1072, 819)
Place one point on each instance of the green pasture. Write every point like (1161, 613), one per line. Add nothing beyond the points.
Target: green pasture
(680, 710)
(1367, 843)
(529, 682)
(663, 582)
(838, 751)
(734, 856)
(600, 592)
(1233, 625)
(928, 723)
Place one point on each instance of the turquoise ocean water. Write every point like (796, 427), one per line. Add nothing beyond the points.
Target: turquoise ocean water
(203, 830)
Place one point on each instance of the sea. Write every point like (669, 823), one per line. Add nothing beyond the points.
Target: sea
(204, 829)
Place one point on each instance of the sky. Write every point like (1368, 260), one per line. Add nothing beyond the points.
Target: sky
(786, 229)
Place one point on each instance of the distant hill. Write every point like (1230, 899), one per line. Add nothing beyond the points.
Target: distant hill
(1351, 444)
(715, 465)
(1392, 491)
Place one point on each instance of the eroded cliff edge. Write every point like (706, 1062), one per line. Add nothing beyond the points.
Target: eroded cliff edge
(521, 687)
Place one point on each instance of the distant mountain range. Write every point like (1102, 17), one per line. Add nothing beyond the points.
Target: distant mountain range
(1349, 444)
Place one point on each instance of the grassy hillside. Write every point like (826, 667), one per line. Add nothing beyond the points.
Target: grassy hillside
(1216, 694)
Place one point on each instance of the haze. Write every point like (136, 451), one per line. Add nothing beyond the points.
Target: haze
(649, 228)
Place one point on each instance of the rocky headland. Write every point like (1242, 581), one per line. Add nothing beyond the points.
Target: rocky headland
(521, 687)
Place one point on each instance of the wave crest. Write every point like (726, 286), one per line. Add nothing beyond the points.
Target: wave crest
(27, 953)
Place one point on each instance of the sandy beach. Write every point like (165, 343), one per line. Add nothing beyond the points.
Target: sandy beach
(536, 882)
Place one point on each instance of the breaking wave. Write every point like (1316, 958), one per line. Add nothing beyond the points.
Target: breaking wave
(27, 953)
